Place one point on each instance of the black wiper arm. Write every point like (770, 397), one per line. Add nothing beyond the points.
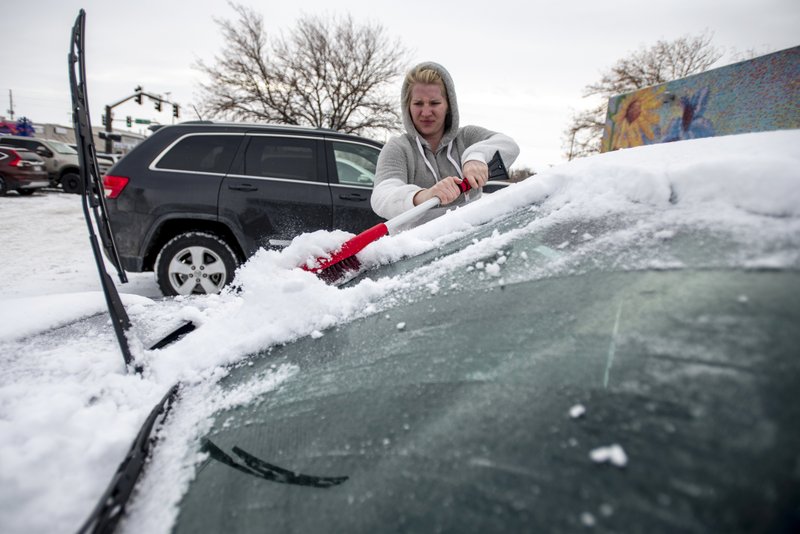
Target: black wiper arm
(111, 507)
(93, 200)
(92, 195)
(259, 468)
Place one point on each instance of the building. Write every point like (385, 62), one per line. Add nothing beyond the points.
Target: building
(66, 134)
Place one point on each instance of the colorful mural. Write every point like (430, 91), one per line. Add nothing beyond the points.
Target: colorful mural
(756, 95)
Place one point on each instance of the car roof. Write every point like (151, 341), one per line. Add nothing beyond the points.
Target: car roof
(261, 127)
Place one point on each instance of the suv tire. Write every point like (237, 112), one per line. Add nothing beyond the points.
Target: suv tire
(71, 183)
(3, 188)
(194, 263)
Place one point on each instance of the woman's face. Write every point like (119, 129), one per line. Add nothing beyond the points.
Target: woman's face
(428, 108)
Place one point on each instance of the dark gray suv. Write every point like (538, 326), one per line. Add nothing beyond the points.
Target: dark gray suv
(194, 200)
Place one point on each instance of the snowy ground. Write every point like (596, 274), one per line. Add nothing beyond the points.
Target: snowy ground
(69, 410)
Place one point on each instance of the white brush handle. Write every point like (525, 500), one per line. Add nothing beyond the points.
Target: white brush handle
(411, 215)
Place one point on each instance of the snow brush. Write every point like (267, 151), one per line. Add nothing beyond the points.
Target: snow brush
(344, 260)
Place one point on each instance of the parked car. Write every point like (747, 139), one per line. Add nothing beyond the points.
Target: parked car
(21, 171)
(61, 160)
(104, 160)
(203, 197)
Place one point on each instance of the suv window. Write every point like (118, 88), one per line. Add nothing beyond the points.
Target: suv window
(62, 148)
(274, 157)
(355, 164)
(201, 153)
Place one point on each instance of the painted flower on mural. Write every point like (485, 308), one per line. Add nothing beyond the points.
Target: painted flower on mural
(691, 124)
(636, 121)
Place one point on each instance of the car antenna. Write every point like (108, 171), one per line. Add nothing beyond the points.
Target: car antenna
(93, 200)
(200, 117)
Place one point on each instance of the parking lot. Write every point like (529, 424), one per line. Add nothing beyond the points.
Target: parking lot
(45, 244)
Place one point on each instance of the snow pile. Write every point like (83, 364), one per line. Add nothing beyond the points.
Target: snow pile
(68, 410)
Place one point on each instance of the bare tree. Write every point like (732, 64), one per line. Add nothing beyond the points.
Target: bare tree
(325, 73)
(517, 174)
(662, 62)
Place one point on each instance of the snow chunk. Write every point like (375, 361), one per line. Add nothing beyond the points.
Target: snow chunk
(401, 326)
(493, 269)
(577, 411)
(613, 454)
(664, 234)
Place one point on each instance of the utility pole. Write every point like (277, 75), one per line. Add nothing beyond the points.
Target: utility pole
(11, 104)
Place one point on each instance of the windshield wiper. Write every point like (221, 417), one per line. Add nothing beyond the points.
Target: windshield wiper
(93, 200)
(111, 507)
(259, 468)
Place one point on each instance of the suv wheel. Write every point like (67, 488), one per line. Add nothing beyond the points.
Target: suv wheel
(71, 183)
(3, 188)
(194, 263)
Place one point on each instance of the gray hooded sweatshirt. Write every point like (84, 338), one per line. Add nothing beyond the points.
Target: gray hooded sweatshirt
(407, 163)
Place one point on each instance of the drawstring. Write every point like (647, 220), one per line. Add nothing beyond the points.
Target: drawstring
(449, 158)
(427, 163)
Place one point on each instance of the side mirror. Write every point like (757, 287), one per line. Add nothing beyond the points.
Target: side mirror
(44, 152)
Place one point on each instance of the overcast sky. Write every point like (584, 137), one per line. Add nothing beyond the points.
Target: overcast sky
(519, 67)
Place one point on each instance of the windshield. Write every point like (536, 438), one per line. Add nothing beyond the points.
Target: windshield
(429, 414)
(61, 148)
(577, 350)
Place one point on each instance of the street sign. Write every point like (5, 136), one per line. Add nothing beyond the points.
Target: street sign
(142, 121)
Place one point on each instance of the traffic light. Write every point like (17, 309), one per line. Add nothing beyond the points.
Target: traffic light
(128, 121)
(175, 111)
(138, 92)
(103, 117)
(158, 105)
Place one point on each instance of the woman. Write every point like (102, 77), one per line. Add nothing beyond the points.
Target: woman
(435, 154)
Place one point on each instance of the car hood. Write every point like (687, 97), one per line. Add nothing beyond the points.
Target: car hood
(613, 354)
(631, 399)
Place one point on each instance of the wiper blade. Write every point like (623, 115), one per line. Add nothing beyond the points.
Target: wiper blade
(92, 189)
(93, 200)
(259, 468)
(111, 507)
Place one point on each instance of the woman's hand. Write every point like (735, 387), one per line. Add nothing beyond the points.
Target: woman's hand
(446, 189)
(476, 173)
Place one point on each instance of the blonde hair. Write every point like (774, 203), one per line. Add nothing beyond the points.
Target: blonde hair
(423, 75)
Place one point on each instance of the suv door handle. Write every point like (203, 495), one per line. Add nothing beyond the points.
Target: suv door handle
(353, 196)
(243, 187)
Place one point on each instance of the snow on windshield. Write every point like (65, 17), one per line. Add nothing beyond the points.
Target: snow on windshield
(69, 411)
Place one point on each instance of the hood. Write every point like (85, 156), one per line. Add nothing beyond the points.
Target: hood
(451, 123)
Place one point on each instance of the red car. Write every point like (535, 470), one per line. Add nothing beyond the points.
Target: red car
(21, 171)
